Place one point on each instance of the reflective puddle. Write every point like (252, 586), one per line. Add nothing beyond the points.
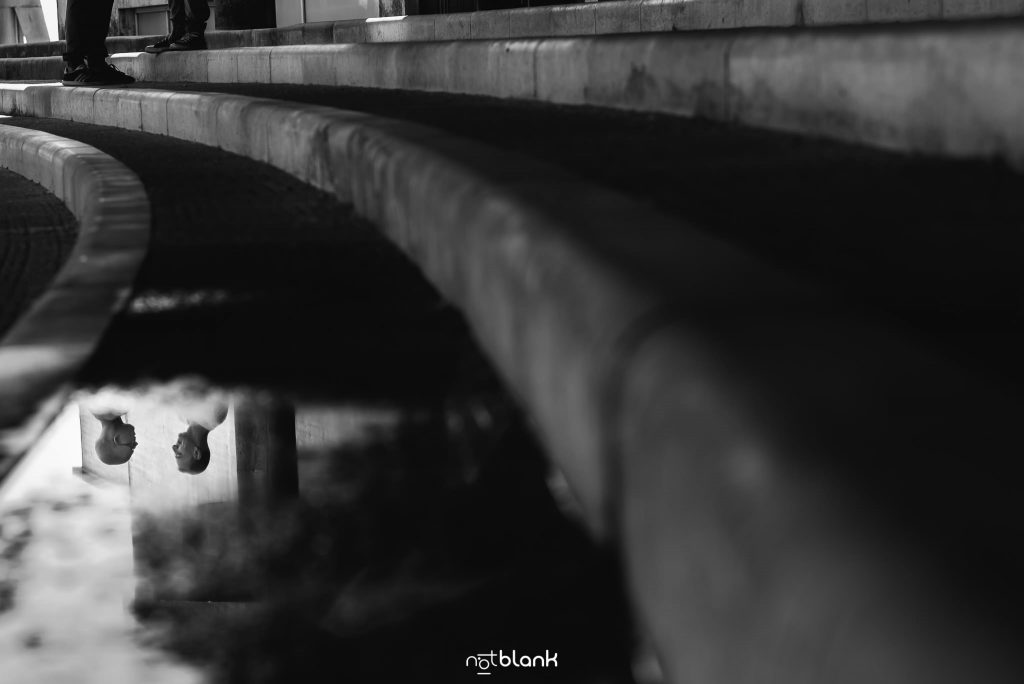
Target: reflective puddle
(181, 532)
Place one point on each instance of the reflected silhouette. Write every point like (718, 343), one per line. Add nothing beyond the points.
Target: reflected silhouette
(116, 442)
(192, 450)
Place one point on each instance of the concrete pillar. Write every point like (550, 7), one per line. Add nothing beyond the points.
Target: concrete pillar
(8, 26)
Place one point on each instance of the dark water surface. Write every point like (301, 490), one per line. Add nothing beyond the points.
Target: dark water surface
(355, 498)
(306, 541)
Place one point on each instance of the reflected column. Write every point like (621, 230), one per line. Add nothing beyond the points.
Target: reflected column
(265, 445)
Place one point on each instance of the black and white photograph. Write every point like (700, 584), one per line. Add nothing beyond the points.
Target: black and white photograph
(511, 341)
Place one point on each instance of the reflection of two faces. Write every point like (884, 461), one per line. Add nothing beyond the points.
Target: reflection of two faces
(116, 443)
(191, 456)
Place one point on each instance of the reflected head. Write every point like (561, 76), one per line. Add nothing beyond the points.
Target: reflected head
(192, 455)
(116, 443)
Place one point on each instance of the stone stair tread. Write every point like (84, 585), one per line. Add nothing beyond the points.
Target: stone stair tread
(593, 18)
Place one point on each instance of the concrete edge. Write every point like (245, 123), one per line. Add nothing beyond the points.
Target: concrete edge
(639, 404)
(612, 17)
(41, 353)
(956, 92)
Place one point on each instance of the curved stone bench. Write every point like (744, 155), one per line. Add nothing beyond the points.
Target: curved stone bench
(711, 414)
(580, 19)
(41, 353)
(947, 91)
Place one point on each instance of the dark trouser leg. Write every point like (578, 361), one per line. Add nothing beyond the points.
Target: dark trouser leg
(98, 48)
(76, 26)
(198, 14)
(178, 16)
(86, 23)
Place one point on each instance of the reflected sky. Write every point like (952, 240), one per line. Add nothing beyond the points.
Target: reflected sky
(241, 535)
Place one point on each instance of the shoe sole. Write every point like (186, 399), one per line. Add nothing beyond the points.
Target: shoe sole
(155, 50)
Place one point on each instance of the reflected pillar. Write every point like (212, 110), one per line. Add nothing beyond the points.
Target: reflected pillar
(265, 445)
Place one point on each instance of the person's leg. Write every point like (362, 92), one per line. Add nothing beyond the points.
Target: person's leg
(77, 29)
(86, 25)
(195, 38)
(198, 15)
(179, 27)
(178, 16)
(99, 26)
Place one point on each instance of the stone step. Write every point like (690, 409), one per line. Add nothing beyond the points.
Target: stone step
(596, 18)
(724, 432)
(952, 91)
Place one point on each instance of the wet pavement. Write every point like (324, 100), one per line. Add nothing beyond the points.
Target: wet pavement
(36, 235)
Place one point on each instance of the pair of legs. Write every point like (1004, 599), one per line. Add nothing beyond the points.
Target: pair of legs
(188, 16)
(87, 23)
(188, 26)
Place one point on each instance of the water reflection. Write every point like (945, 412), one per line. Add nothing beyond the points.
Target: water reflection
(300, 539)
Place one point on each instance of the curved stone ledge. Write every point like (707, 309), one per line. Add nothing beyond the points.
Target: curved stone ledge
(941, 91)
(945, 90)
(41, 353)
(706, 408)
(599, 18)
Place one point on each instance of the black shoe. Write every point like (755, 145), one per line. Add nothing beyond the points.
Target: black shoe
(189, 41)
(111, 74)
(162, 45)
(83, 75)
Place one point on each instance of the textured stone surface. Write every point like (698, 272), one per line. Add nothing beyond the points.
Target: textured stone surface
(892, 91)
(962, 9)
(574, 20)
(892, 88)
(614, 16)
(492, 24)
(453, 26)
(817, 12)
(903, 10)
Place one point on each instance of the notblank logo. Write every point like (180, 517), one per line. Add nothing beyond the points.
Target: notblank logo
(486, 662)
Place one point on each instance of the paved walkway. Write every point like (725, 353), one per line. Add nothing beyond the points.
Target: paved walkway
(37, 233)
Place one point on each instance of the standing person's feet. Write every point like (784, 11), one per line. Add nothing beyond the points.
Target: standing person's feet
(164, 44)
(111, 74)
(190, 41)
(98, 75)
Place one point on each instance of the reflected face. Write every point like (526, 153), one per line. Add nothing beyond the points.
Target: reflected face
(185, 451)
(124, 436)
